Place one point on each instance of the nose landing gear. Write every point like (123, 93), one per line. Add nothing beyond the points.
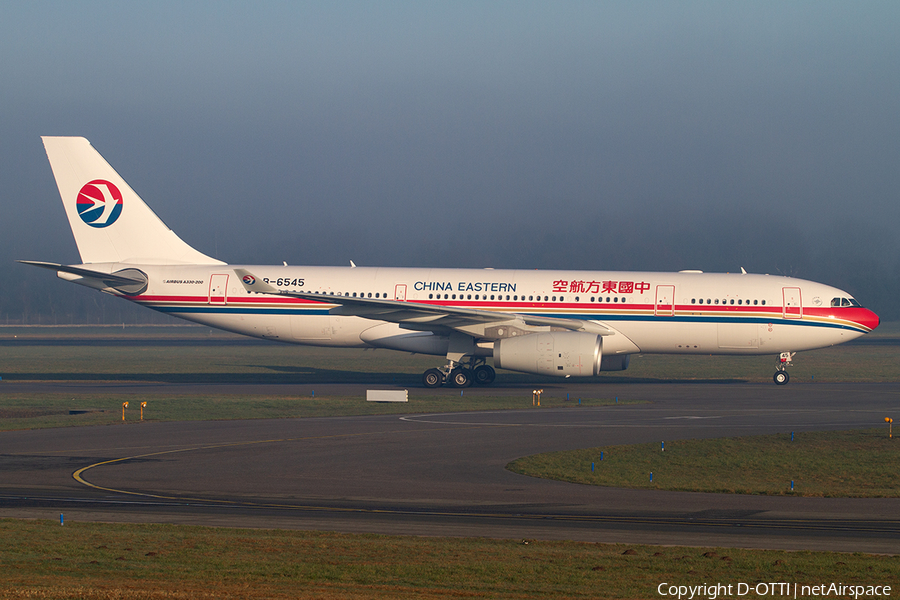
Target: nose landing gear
(781, 376)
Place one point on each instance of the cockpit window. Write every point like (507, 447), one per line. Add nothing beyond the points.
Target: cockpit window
(845, 302)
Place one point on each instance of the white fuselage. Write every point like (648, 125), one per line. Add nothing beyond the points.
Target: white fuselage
(674, 313)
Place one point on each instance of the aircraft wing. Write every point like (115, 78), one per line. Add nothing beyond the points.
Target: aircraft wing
(420, 316)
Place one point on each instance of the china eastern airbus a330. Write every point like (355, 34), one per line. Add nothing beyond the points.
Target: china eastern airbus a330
(559, 323)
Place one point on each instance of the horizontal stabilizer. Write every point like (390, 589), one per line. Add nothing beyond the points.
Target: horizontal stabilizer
(128, 281)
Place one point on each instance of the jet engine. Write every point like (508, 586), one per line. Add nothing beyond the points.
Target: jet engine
(560, 353)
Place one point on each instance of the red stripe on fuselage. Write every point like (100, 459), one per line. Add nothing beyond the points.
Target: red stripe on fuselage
(860, 316)
(855, 314)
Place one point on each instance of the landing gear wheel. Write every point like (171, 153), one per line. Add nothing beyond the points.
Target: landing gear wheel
(433, 378)
(460, 378)
(484, 375)
(782, 377)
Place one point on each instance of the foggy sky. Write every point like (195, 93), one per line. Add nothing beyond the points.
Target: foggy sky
(621, 135)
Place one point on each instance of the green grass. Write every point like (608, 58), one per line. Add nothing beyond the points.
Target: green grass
(856, 463)
(34, 411)
(41, 559)
(263, 363)
(875, 360)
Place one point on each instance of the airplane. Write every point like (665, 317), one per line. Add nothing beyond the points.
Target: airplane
(549, 323)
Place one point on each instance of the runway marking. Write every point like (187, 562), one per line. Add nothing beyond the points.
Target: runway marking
(77, 475)
(691, 417)
(865, 526)
(642, 414)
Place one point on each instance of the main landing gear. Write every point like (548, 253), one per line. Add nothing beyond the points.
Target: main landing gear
(460, 375)
(784, 361)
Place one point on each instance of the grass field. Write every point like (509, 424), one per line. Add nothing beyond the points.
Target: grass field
(41, 559)
(859, 463)
(875, 358)
(28, 411)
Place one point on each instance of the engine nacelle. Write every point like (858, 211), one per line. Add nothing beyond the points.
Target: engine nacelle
(560, 353)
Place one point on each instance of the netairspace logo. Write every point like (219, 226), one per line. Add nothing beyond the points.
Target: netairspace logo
(99, 203)
(774, 590)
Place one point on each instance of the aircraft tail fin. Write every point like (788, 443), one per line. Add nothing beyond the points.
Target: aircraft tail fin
(110, 222)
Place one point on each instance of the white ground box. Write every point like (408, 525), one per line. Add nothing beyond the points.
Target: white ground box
(387, 395)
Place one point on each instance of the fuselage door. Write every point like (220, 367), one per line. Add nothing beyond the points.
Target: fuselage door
(218, 289)
(400, 292)
(793, 307)
(665, 301)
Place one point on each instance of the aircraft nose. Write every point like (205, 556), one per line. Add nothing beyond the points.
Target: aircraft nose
(868, 319)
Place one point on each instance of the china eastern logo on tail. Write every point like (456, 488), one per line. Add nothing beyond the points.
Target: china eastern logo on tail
(99, 203)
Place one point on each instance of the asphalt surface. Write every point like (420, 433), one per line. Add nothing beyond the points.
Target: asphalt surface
(444, 474)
